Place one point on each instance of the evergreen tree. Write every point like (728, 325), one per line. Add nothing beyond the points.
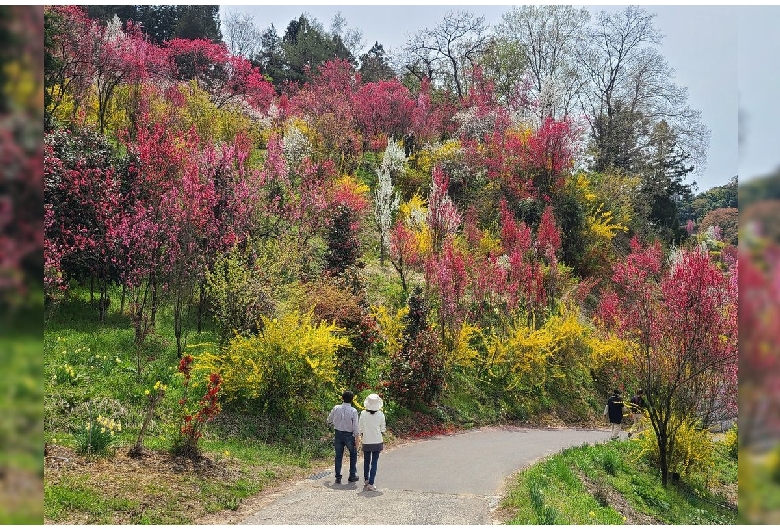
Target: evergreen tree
(271, 57)
(198, 22)
(374, 65)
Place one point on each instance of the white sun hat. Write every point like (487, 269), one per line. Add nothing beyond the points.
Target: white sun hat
(373, 402)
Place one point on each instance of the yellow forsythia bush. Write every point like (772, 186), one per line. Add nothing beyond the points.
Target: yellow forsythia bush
(527, 356)
(693, 449)
(391, 326)
(290, 357)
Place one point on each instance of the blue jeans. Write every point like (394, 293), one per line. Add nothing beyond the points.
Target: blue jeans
(369, 460)
(345, 439)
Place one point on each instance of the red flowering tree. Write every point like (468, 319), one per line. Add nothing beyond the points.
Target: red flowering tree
(383, 108)
(403, 251)
(526, 285)
(430, 120)
(759, 313)
(682, 317)
(446, 273)
(224, 76)
(82, 205)
(327, 102)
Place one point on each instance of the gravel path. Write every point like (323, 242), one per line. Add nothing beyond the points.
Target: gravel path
(456, 479)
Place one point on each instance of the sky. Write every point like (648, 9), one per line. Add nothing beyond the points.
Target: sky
(726, 56)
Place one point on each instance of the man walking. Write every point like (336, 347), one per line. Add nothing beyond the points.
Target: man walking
(614, 411)
(344, 419)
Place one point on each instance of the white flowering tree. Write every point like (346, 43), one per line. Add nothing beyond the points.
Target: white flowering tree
(386, 200)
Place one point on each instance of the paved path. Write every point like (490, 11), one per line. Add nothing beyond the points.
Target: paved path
(456, 479)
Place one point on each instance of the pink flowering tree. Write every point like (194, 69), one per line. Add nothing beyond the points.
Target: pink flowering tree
(759, 313)
(226, 77)
(443, 218)
(82, 208)
(383, 110)
(682, 317)
(327, 103)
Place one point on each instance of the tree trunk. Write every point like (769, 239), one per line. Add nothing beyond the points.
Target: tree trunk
(177, 323)
(201, 304)
(153, 314)
(103, 302)
(138, 448)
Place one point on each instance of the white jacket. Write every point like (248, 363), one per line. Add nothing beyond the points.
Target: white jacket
(371, 427)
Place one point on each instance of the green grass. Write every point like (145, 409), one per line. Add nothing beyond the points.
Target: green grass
(759, 487)
(102, 357)
(102, 360)
(21, 416)
(73, 495)
(552, 492)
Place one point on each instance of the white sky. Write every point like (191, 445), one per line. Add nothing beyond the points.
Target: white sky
(700, 43)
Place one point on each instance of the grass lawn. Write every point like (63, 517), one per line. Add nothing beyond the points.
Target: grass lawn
(21, 417)
(90, 369)
(610, 483)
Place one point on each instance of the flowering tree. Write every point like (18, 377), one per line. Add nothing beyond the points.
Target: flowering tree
(327, 103)
(89, 59)
(682, 319)
(403, 250)
(443, 218)
(82, 210)
(383, 108)
(226, 77)
(759, 313)
(386, 200)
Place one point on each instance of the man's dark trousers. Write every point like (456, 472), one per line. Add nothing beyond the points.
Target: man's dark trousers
(345, 439)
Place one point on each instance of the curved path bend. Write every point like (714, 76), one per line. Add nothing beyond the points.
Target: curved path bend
(454, 479)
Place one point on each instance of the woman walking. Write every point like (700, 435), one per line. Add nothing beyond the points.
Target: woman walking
(371, 426)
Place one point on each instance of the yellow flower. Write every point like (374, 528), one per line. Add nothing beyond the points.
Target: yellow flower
(118, 360)
(227, 453)
(102, 430)
(146, 391)
(592, 513)
(54, 440)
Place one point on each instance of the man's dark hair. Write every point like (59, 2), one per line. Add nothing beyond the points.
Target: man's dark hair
(347, 396)
(616, 392)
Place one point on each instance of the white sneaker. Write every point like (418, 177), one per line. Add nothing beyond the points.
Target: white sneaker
(369, 487)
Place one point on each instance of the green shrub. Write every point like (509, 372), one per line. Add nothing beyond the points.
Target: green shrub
(536, 496)
(548, 515)
(244, 286)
